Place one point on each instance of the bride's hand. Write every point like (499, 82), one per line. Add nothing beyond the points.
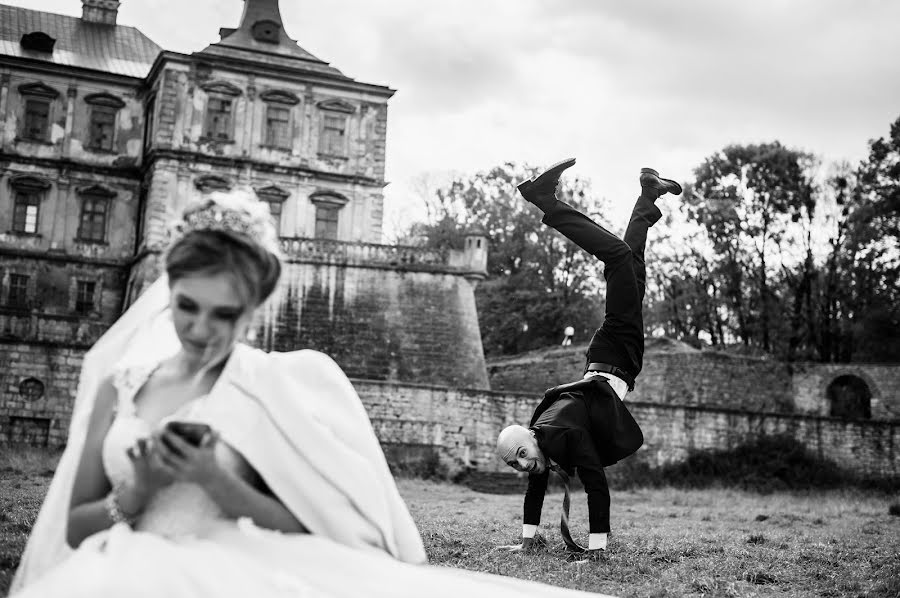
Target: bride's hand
(149, 476)
(186, 462)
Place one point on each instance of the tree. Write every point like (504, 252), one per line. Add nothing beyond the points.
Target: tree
(539, 282)
(747, 197)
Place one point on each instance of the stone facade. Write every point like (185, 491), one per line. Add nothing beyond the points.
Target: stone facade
(38, 383)
(712, 379)
(104, 138)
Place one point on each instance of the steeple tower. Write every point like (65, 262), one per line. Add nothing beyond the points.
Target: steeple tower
(261, 32)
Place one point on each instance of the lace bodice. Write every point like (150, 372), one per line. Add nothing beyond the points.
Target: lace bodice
(180, 509)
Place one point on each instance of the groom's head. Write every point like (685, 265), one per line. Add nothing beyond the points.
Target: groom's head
(518, 448)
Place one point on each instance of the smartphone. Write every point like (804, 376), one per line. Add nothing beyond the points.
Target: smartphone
(192, 432)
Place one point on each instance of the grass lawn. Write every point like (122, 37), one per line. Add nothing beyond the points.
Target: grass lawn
(665, 542)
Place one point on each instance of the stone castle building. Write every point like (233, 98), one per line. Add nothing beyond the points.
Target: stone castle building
(104, 137)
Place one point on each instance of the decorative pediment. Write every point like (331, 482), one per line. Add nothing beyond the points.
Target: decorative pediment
(27, 182)
(279, 96)
(104, 99)
(328, 197)
(211, 182)
(337, 106)
(272, 193)
(222, 88)
(97, 191)
(38, 41)
(39, 90)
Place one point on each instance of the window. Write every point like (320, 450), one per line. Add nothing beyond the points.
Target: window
(327, 221)
(18, 291)
(25, 212)
(93, 219)
(102, 128)
(28, 191)
(84, 296)
(218, 118)
(278, 126)
(275, 211)
(37, 119)
(275, 197)
(333, 132)
(37, 100)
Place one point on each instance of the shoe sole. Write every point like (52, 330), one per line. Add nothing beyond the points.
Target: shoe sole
(560, 166)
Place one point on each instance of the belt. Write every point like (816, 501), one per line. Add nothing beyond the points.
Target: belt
(614, 370)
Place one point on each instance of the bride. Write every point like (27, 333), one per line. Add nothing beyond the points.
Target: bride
(198, 466)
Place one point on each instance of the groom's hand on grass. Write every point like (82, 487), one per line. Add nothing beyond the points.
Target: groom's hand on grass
(528, 545)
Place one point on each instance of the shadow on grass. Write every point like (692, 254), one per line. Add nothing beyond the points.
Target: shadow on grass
(769, 464)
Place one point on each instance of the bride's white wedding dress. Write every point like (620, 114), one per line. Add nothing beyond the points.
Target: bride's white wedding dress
(183, 545)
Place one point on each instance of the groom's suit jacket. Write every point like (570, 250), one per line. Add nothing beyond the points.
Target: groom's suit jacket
(582, 426)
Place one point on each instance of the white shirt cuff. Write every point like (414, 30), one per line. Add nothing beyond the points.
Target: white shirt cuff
(528, 530)
(597, 542)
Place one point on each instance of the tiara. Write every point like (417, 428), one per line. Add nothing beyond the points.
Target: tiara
(232, 213)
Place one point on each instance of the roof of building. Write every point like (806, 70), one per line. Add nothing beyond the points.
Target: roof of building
(261, 38)
(115, 49)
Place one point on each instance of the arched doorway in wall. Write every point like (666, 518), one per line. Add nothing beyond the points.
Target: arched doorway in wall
(850, 398)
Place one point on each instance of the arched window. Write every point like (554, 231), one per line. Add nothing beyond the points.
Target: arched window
(850, 398)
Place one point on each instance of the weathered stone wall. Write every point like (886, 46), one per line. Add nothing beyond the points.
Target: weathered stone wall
(681, 378)
(462, 426)
(382, 323)
(30, 417)
(810, 383)
(711, 379)
(458, 427)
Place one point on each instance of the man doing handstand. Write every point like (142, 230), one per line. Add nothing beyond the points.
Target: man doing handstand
(584, 425)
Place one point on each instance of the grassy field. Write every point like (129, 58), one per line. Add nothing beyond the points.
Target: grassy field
(665, 542)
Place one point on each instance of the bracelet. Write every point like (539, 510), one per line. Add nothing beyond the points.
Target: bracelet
(115, 512)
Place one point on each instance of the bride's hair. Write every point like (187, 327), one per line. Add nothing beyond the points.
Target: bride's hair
(227, 233)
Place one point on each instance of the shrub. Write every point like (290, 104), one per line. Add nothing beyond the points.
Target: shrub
(767, 464)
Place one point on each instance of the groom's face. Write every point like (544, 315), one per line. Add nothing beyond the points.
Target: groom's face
(529, 457)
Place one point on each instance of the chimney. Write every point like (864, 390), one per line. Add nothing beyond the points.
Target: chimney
(100, 11)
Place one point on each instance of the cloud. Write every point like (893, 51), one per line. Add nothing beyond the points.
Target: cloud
(619, 84)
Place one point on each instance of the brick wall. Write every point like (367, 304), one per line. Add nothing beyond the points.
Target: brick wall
(29, 417)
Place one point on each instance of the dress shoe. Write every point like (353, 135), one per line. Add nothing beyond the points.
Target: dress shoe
(541, 190)
(651, 179)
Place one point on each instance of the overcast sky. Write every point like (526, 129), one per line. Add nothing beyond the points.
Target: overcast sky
(618, 84)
